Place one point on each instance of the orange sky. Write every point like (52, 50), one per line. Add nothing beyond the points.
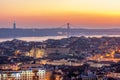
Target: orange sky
(54, 13)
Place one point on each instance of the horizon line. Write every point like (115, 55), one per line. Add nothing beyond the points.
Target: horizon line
(64, 28)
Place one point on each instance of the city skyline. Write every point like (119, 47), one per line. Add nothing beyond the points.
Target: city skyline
(52, 14)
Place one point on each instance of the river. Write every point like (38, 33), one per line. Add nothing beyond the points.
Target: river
(51, 37)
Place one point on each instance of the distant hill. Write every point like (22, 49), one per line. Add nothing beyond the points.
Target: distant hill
(10, 33)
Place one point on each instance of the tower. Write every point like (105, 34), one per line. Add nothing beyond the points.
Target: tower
(14, 25)
(14, 29)
(68, 30)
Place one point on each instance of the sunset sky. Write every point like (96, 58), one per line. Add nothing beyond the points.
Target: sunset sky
(54, 13)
